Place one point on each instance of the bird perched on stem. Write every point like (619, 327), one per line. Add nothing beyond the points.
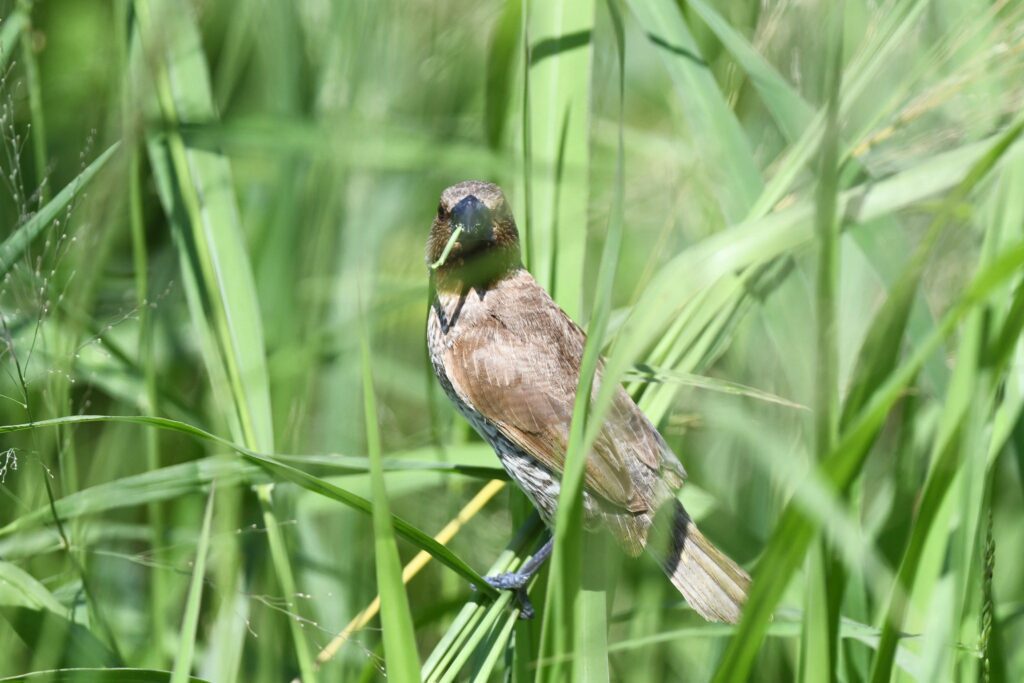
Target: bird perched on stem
(509, 359)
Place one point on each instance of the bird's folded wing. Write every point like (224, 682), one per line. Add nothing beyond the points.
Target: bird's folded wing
(520, 370)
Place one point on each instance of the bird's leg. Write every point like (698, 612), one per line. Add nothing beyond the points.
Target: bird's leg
(518, 579)
(522, 576)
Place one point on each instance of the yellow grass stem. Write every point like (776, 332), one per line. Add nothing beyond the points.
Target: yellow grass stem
(413, 568)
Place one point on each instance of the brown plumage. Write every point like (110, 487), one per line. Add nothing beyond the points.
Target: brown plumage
(509, 359)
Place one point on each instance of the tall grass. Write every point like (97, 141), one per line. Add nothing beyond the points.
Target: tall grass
(795, 231)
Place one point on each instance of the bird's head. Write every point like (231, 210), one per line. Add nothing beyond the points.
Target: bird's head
(473, 240)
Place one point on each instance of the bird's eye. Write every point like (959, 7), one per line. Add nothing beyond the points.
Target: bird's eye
(441, 213)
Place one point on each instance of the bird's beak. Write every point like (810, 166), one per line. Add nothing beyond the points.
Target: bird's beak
(475, 219)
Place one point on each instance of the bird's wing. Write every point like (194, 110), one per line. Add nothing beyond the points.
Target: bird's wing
(519, 368)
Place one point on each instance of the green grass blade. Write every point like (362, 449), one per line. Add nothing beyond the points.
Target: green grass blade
(11, 29)
(964, 397)
(662, 375)
(795, 530)
(562, 630)
(736, 179)
(19, 589)
(790, 112)
(396, 621)
(14, 246)
(863, 70)
(35, 109)
(193, 602)
(757, 241)
(166, 483)
(560, 55)
(283, 472)
(467, 622)
(280, 558)
(197, 191)
(199, 197)
(819, 640)
(500, 62)
(102, 675)
(174, 481)
(54, 634)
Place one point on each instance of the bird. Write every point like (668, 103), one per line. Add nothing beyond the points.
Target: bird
(508, 357)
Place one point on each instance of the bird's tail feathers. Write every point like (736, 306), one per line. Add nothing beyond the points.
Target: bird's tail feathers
(713, 585)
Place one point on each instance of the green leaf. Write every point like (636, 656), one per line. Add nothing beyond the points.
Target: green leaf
(41, 621)
(19, 589)
(194, 600)
(14, 246)
(11, 29)
(40, 629)
(105, 675)
(796, 530)
(551, 55)
(559, 75)
(473, 622)
(396, 621)
(283, 472)
(500, 61)
(790, 111)
(826, 580)
(969, 390)
(735, 177)
(168, 483)
(197, 190)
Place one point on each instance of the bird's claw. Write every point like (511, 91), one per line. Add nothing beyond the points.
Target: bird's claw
(513, 581)
(508, 580)
(525, 606)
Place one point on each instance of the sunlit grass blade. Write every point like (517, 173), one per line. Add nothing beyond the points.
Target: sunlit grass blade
(11, 29)
(566, 603)
(862, 70)
(560, 56)
(35, 109)
(756, 241)
(825, 579)
(35, 614)
(198, 196)
(396, 620)
(168, 483)
(466, 623)
(20, 589)
(795, 530)
(283, 472)
(471, 509)
(500, 61)
(194, 600)
(659, 375)
(736, 178)
(791, 113)
(966, 395)
(281, 559)
(14, 246)
(99, 675)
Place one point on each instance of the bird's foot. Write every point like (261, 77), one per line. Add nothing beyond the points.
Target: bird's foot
(508, 580)
(516, 581)
(513, 581)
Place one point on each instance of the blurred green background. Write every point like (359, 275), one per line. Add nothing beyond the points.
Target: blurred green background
(814, 212)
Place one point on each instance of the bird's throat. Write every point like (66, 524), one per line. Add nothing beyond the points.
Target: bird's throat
(478, 270)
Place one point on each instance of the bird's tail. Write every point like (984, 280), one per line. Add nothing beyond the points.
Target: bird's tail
(713, 585)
